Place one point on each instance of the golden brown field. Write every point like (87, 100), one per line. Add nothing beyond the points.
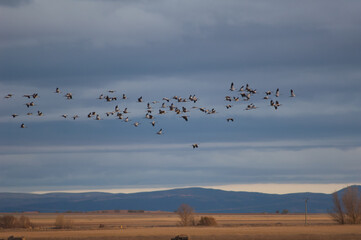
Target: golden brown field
(164, 226)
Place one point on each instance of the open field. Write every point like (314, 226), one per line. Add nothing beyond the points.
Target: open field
(164, 226)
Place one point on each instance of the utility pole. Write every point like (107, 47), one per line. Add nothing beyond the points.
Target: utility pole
(306, 200)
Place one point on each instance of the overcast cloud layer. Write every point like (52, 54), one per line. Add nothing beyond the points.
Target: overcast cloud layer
(159, 49)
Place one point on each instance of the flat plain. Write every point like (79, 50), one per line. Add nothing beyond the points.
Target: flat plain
(165, 226)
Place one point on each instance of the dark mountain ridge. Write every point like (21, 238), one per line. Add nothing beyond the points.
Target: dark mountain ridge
(201, 199)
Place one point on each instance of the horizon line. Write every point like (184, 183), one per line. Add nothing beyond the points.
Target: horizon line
(267, 188)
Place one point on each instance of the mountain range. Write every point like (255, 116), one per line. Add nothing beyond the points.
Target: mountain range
(201, 199)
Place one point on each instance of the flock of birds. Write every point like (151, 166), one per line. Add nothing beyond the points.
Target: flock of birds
(244, 93)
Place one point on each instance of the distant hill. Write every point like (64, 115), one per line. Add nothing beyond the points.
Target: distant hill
(201, 199)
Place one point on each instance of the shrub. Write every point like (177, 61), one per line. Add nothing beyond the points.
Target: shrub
(284, 211)
(62, 223)
(8, 221)
(207, 221)
(24, 222)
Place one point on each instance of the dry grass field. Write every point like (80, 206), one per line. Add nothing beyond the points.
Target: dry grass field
(165, 225)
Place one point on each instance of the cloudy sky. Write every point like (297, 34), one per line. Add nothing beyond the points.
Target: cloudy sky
(158, 49)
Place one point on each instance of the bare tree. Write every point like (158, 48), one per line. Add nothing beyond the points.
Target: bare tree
(337, 213)
(186, 215)
(348, 208)
(352, 203)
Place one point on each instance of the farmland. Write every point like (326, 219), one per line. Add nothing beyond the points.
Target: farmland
(163, 225)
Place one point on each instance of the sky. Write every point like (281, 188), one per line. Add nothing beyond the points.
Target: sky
(160, 49)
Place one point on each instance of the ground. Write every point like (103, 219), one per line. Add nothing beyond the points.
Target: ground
(165, 226)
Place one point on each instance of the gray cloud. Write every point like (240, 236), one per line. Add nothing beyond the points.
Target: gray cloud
(321, 165)
(14, 3)
(164, 48)
(117, 39)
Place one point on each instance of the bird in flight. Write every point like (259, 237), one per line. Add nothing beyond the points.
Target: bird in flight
(234, 98)
(292, 93)
(31, 104)
(232, 87)
(185, 118)
(251, 106)
(69, 96)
